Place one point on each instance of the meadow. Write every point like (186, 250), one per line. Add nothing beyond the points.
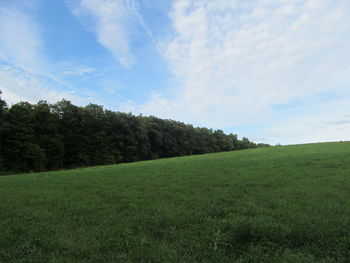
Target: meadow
(274, 204)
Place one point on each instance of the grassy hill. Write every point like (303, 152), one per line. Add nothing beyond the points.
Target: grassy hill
(277, 204)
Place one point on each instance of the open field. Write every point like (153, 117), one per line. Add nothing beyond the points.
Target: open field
(277, 204)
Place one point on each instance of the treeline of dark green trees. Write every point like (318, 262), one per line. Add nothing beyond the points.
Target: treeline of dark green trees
(43, 136)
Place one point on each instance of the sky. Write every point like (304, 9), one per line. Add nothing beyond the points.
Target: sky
(275, 71)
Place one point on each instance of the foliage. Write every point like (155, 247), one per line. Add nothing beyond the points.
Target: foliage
(3, 112)
(43, 136)
(264, 205)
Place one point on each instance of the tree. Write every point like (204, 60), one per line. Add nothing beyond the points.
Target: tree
(20, 150)
(71, 129)
(223, 141)
(246, 144)
(3, 112)
(44, 137)
(47, 136)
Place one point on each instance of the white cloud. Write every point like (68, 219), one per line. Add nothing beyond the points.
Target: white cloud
(18, 85)
(236, 59)
(25, 73)
(20, 43)
(328, 121)
(111, 21)
(77, 71)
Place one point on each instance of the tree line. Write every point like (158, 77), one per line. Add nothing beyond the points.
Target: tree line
(44, 136)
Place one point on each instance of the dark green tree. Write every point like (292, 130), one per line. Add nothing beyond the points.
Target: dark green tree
(3, 112)
(45, 137)
(70, 122)
(20, 149)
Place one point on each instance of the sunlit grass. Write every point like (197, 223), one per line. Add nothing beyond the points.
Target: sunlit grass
(277, 204)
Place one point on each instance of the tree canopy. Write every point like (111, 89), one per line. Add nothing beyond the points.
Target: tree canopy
(43, 136)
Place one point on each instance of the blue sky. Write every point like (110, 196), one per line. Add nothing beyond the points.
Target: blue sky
(276, 71)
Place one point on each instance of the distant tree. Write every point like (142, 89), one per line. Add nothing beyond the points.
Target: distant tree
(259, 145)
(45, 137)
(3, 112)
(93, 134)
(20, 149)
(246, 144)
(234, 141)
(70, 124)
(223, 141)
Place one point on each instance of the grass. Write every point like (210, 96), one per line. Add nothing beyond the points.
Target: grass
(278, 204)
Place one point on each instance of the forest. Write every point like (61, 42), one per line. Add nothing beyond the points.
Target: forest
(44, 136)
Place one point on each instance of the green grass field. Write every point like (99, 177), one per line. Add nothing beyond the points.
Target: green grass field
(277, 204)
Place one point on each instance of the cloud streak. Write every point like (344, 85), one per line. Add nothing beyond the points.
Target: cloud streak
(25, 72)
(112, 22)
(20, 43)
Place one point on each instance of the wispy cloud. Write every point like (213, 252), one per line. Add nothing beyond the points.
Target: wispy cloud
(112, 22)
(20, 85)
(77, 71)
(323, 122)
(25, 72)
(20, 45)
(236, 59)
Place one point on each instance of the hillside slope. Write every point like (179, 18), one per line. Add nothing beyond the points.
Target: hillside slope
(277, 204)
